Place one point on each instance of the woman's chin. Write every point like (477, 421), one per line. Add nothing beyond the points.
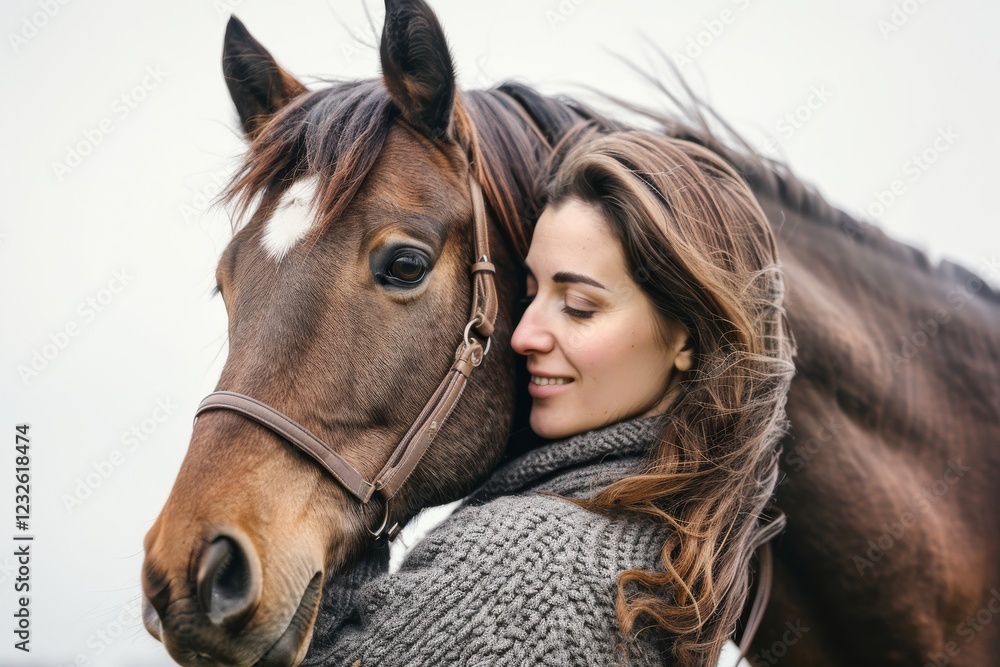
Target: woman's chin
(552, 429)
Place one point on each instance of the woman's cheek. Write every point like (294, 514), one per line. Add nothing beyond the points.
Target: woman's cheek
(600, 349)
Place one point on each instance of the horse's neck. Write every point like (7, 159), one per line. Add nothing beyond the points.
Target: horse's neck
(883, 333)
(892, 443)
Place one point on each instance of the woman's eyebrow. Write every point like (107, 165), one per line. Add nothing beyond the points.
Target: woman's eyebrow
(570, 277)
(566, 277)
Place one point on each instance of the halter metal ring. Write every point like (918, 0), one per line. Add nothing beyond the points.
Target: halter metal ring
(468, 330)
(378, 532)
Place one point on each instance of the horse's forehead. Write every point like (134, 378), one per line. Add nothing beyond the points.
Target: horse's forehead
(416, 174)
(411, 176)
(292, 218)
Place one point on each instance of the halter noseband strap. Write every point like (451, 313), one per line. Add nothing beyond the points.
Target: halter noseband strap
(414, 445)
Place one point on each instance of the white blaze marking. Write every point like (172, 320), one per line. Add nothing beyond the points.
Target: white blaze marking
(292, 218)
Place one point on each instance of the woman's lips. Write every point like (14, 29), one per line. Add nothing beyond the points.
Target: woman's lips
(543, 387)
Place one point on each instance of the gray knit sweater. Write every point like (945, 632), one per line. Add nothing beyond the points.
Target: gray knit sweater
(513, 577)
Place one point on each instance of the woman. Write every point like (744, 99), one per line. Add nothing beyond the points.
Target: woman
(659, 359)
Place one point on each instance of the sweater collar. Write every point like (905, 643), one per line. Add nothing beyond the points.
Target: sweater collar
(628, 439)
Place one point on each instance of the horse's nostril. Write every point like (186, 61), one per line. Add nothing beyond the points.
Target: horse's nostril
(151, 619)
(229, 580)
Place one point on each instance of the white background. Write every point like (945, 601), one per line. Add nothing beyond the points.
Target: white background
(135, 204)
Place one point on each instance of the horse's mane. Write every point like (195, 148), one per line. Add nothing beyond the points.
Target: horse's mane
(339, 131)
(768, 177)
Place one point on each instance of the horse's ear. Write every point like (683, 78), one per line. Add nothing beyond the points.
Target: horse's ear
(258, 86)
(417, 68)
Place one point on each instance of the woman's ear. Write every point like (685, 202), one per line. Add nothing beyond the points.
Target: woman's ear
(684, 359)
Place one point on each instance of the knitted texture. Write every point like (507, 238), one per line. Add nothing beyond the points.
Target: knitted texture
(513, 577)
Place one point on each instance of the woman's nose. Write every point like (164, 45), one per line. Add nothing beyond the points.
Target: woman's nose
(532, 334)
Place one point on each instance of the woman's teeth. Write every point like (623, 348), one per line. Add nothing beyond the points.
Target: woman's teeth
(544, 381)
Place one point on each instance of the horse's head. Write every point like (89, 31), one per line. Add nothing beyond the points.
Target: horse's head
(347, 290)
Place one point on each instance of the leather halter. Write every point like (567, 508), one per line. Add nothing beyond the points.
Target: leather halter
(765, 533)
(468, 355)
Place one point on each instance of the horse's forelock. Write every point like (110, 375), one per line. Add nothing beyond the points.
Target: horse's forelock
(339, 132)
(335, 133)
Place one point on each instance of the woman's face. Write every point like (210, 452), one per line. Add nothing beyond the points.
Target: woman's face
(590, 333)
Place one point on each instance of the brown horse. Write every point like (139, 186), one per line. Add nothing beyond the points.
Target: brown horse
(347, 290)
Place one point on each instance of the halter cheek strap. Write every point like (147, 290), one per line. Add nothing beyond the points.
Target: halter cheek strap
(404, 459)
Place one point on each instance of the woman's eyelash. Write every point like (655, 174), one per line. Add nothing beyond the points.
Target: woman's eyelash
(573, 312)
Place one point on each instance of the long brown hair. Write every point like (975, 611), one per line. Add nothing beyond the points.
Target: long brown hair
(699, 245)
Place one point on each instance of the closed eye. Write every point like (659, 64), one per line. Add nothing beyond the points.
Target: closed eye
(581, 314)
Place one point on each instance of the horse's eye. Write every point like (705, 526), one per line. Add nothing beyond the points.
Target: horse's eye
(406, 269)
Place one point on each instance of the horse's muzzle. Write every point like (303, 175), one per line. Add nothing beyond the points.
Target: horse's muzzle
(218, 620)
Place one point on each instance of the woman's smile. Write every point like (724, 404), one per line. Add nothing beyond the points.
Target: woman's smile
(541, 386)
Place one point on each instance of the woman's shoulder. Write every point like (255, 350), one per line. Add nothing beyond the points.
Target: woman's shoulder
(520, 579)
(520, 532)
